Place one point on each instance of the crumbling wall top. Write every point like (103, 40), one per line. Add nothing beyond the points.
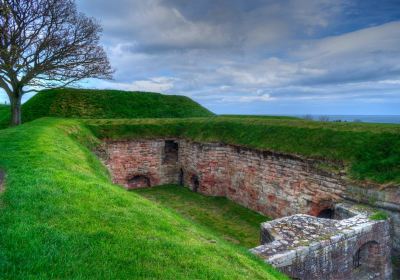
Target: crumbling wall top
(298, 232)
(307, 247)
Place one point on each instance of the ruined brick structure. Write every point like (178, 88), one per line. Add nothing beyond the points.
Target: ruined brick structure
(351, 246)
(273, 184)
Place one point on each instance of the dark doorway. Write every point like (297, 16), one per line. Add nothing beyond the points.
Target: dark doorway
(357, 259)
(170, 152)
(326, 214)
(195, 183)
(181, 177)
(139, 181)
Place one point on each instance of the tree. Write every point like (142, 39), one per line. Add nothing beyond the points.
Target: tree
(44, 44)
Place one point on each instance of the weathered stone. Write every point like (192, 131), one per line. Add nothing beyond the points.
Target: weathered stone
(353, 248)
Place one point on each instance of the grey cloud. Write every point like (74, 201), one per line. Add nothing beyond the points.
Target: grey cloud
(249, 51)
(159, 25)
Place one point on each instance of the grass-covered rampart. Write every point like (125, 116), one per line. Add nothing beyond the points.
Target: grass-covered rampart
(369, 151)
(61, 218)
(110, 104)
(105, 104)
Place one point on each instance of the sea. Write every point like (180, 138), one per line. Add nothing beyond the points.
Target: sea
(394, 119)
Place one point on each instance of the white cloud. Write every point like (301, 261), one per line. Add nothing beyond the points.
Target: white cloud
(247, 98)
(228, 51)
(157, 84)
(159, 25)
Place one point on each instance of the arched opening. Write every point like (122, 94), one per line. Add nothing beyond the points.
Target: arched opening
(181, 177)
(195, 183)
(139, 181)
(366, 260)
(327, 213)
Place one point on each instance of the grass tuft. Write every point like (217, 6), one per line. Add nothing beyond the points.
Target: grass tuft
(379, 216)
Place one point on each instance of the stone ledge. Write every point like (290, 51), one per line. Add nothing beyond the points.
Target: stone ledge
(294, 243)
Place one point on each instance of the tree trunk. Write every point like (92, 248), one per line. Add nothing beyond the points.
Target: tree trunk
(16, 110)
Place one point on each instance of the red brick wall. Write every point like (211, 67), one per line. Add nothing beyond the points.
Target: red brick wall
(128, 159)
(273, 184)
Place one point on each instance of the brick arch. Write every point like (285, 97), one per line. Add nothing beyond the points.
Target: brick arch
(139, 181)
(367, 258)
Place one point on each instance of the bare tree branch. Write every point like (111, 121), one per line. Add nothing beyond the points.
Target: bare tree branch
(47, 43)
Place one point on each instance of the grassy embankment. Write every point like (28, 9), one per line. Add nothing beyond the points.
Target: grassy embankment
(61, 218)
(4, 115)
(106, 104)
(368, 151)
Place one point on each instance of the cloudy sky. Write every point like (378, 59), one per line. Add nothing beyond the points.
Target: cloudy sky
(257, 56)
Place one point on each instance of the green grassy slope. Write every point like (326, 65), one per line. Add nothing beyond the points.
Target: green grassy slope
(233, 222)
(4, 115)
(100, 104)
(369, 151)
(61, 218)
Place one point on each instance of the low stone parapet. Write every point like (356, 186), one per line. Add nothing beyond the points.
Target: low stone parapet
(306, 247)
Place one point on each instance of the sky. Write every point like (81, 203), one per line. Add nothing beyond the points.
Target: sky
(257, 56)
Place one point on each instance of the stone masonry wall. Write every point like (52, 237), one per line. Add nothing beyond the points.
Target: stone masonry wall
(309, 248)
(387, 199)
(273, 184)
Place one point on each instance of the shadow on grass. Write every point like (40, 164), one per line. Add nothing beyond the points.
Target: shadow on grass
(223, 217)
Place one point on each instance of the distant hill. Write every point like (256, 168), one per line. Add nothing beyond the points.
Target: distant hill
(109, 104)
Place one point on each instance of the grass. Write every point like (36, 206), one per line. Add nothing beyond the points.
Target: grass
(233, 222)
(370, 152)
(61, 218)
(106, 104)
(83, 103)
(4, 115)
(265, 117)
(379, 216)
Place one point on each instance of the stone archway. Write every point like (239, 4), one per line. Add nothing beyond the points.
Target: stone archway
(366, 261)
(139, 181)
